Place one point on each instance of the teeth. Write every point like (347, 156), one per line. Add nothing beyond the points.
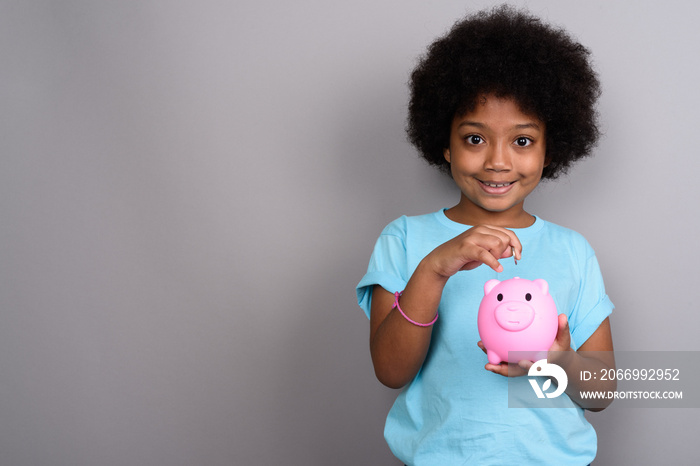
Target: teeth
(492, 185)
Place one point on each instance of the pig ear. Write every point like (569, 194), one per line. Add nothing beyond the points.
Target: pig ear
(490, 285)
(543, 285)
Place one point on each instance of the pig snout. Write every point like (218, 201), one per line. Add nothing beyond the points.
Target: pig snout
(514, 315)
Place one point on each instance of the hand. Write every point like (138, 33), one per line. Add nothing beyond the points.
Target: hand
(507, 369)
(481, 244)
(558, 352)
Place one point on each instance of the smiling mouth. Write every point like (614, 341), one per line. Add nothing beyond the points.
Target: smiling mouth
(496, 185)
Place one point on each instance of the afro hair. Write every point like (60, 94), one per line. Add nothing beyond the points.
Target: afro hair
(507, 53)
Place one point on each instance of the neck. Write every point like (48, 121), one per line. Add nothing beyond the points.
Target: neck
(470, 214)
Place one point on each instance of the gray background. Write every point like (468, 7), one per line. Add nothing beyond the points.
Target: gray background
(189, 192)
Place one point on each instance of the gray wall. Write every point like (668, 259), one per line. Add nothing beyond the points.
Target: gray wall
(189, 192)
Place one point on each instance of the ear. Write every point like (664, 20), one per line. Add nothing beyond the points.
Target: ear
(490, 285)
(543, 285)
(446, 154)
(547, 159)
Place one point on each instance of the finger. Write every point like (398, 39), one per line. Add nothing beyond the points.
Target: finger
(508, 252)
(500, 369)
(512, 244)
(563, 330)
(478, 251)
(562, 342)
(486, 245)
(481, 345)
(471, 265)
(525, 365)
(497, 238)
(486, 257)
(505, 369)
(563, 321)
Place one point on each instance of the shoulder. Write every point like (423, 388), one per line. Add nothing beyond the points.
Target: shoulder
(558, 234)
(407, 224)
(559, 231)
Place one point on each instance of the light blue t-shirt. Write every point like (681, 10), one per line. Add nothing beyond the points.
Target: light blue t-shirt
(455, 412)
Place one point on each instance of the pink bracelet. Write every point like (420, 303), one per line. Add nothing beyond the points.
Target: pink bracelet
(396, 305)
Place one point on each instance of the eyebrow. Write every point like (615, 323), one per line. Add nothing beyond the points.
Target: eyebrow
(481, 125)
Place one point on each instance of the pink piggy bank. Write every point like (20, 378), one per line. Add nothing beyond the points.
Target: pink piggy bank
(517, 315)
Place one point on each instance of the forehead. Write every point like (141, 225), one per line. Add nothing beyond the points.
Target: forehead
(497, 110)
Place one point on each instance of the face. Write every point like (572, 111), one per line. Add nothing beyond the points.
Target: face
(496, 156)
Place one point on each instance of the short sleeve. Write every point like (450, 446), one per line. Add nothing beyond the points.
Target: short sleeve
(593, 304)
(387, 267)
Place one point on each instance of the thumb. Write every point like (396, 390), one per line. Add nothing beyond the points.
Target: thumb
(563, 322)
(563, 334)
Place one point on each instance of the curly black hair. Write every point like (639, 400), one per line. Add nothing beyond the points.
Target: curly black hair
(507, 53)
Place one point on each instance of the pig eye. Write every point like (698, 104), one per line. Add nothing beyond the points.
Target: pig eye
(499, 297)
(528, 297)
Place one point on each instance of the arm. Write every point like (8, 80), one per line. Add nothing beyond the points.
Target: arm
(594, 355)
(398, 348)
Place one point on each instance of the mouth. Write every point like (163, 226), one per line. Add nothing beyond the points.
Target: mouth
(496, 185)
(496, 188)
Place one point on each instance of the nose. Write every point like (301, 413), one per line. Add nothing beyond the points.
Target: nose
(498, 158)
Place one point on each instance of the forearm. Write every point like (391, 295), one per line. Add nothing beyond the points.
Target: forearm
(576, 362)
(399, 347)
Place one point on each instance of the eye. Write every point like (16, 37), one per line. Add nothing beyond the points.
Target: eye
(474, 139)
(528, 297)
(499, 297)
(523, 141)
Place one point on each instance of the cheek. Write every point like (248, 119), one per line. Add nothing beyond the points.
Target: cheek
(534, 167)
(464, 162)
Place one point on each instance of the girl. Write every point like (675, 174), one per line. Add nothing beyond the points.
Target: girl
(500, 102)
